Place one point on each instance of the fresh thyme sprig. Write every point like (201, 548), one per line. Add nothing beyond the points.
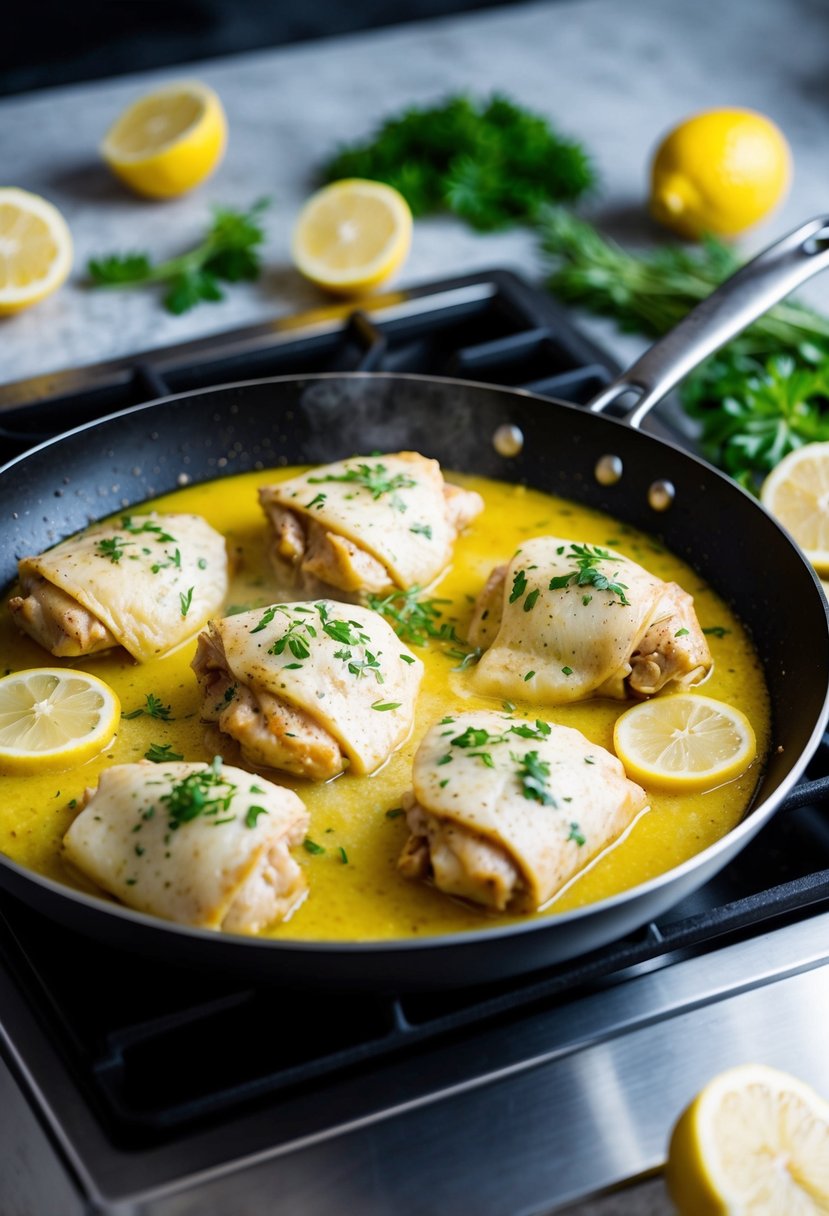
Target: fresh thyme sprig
(374, 478)
(229, 253)
(758, 398)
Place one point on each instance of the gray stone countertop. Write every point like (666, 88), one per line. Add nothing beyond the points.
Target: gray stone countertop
(615, 74)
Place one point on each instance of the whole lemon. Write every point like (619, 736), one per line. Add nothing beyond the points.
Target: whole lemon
(719, 172)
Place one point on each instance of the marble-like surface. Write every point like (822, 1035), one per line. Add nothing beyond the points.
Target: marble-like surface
(615, 73)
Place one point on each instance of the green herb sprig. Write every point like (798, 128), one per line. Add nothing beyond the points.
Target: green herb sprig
(758, 398)
(229, 253)
(491, 162)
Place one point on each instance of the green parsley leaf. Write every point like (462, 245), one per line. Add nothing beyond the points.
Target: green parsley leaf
(159, 753)
(312, 847)
(253, 814)
(229, 253)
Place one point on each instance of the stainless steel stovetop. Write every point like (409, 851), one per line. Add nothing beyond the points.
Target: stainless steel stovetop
(128, 1088)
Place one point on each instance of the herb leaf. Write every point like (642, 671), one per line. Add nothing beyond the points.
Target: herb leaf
(229, 253)
(491, 162)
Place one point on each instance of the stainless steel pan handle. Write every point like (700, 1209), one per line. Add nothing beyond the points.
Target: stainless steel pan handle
(741, 299)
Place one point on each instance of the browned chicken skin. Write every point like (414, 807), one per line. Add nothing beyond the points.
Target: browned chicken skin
(269, 730)
(57, 621)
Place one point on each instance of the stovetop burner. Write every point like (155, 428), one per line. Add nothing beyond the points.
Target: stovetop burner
(168, 1093)
(490, 326)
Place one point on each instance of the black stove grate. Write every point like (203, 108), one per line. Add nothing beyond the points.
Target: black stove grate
(138, 1044)
(490, 327)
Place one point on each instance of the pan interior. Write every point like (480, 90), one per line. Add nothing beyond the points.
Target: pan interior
(357, 830)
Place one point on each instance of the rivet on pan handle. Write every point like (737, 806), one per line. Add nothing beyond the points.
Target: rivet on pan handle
(741, 299)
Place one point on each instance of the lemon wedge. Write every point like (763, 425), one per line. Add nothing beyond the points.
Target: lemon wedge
(754, 1141)
(169, 141)
(352, 235)
(54, 718)
(719, 172)
(35, 249)
(796, 492)
(684, 742)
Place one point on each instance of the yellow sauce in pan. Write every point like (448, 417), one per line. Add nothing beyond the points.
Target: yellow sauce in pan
(355, 891)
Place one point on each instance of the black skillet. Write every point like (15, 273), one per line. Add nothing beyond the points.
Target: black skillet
(698, 513)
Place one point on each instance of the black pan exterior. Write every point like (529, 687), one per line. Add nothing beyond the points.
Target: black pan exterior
(730, 540)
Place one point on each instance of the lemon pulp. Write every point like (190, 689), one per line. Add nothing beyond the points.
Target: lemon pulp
(52, 718)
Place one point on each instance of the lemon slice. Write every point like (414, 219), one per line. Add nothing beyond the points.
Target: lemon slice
(53, 718)
(352, 235)
(796, 493)
(754, 1142)
(169, 141)
(719, 172)
(35, 249)
(684, 742)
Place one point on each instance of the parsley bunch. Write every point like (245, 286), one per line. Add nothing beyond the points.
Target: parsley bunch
(229, 253)
(492, 162)
(758, 398)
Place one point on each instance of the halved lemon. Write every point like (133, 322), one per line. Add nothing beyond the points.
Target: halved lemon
(35, 249)
(54, 718)
(684, 742)
(352, 235)
(169, 141)
(754, 1141)
(796, 493)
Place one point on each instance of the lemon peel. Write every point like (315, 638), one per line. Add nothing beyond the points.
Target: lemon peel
(168, 141)
(54, 718)
(719, 172)
(352, 235)
(684, 742)
(796, 493)
(35, 249)
(754, 1140)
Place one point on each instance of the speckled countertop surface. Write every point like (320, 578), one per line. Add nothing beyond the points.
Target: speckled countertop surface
(614, 73)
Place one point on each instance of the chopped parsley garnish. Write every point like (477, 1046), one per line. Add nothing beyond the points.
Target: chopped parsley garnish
(153, 708)
(541, 730)
(161, 752)
(406, 658)
(382, 706)
(112, 548)
(567, 671)
(519, 586)
(576, 834)
(253, 814)
(422, 530)
(413, 620)
(343, 855)
(586, 559)
(395, 812)
(716, 631)
(681, 633)
(528, 676)
(186, 599)
(533, 773)
(148, 525)
(267, 616)
(317, 501)
(203, 792)
(529, 602)
(374, 478)
(311, 846)
(475, 736)
(466, 660)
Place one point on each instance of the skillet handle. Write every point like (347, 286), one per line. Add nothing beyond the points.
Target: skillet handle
(741, 299)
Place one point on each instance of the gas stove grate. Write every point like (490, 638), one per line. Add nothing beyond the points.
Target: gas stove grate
(139, 1046)
(490, 327)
